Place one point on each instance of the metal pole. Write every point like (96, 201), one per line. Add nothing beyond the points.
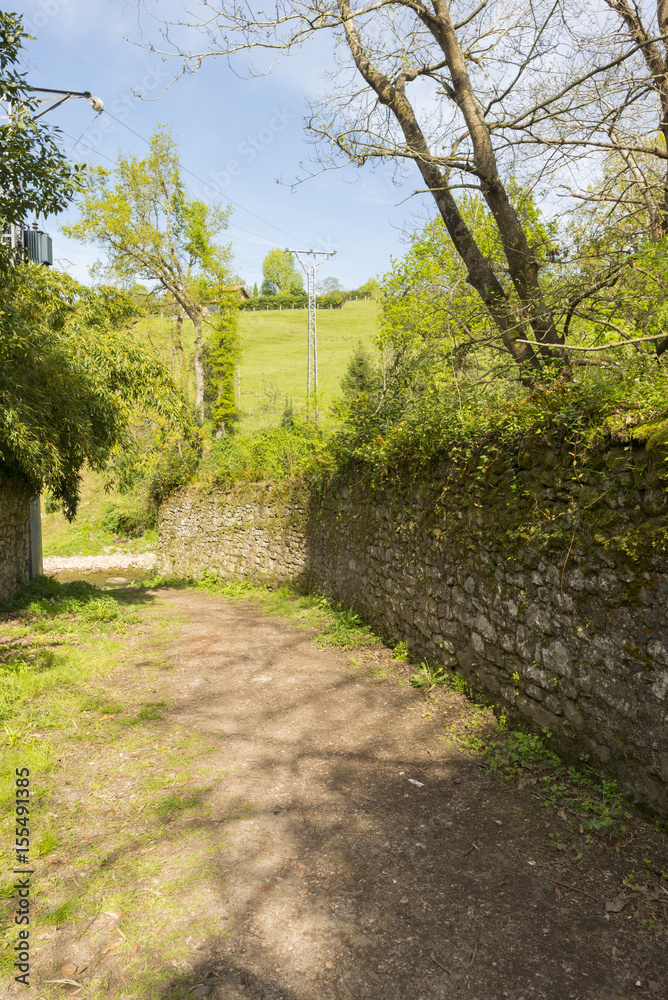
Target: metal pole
(310, 269)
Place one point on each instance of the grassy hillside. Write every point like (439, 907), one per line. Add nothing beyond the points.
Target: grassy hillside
(273, 362)
(93, 532)
(274, 356)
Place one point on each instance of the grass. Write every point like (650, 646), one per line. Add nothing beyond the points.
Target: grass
(274, 356)
(91, 861)
(273, 347)
(88, 535)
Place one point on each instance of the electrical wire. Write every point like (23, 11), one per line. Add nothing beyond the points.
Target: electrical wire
(94, 118)
(202, 181)
(265, 246)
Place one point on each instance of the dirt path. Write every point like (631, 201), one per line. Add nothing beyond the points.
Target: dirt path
(334, 847)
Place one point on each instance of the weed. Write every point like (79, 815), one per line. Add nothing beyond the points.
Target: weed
(61, 914)
(429, 676)
(45, 845)
(174, 803)
(400, 653)
(151, 710)
(346, 631)
(99, 703)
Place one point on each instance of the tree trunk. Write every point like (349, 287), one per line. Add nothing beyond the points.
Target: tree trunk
(177, 354)
(522, 262)
(480, 272)
(199, 368)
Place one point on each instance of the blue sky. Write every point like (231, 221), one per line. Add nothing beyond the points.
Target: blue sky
(238, 136)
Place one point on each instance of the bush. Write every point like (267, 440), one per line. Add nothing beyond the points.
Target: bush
(279, 453)
(128, 516)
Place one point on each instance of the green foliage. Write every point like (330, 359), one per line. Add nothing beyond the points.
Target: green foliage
(400, 653)
(49, 603)
(35, 175)
(149, 227)
(596, 801)
(426, 297)
(428, 676)
(280, 273)
(359, 375)
(346, 630)
(222, 354)
(72, 377)
(431, 675)
(419, 413)
(128, 516)
(277, 453)
(271, 300)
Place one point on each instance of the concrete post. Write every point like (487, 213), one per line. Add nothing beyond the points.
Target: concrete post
(35, 567)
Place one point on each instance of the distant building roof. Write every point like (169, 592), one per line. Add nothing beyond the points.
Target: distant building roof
(238, 288)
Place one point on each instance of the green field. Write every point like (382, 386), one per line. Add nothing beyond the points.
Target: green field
(273, 363)
(273, 368)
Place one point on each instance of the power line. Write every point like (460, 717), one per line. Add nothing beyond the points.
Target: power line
(202, 181)
(235, 226)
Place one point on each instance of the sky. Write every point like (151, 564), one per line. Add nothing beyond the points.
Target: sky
(241, 140)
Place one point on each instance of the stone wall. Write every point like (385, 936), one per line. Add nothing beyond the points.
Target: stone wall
(546, 586)
(256, 533)
(14, 539)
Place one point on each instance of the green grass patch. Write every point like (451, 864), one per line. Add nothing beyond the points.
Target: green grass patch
(172, 804)
(430, 675)
(105, 522)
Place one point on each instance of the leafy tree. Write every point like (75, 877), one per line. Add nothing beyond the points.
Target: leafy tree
(222, 356)
(470, 93)
(35, 174)
(280, 273)
(426, 297)
(72, 375)
(329, 284)
(150, 229)
(359, 375)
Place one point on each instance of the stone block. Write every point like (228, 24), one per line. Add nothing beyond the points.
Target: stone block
(556, 659)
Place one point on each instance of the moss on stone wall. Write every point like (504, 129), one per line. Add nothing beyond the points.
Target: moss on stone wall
(14, 537)
(543, 579)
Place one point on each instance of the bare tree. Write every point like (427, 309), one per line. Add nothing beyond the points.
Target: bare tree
(471, 93)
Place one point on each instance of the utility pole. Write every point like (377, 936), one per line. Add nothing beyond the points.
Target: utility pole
(310, 269)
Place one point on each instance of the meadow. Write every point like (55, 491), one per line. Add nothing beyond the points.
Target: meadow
(273, 362)
(272, 370)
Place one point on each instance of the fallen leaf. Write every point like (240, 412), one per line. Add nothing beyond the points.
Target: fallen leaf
(110, 913)
(134, 948)
(498, 822)
(65, 982)
(617, 904)
(420, 784)
(303, 891)
(300, 865)
(558, 892)
(110, 947)
(325, 887)
(69, 969)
